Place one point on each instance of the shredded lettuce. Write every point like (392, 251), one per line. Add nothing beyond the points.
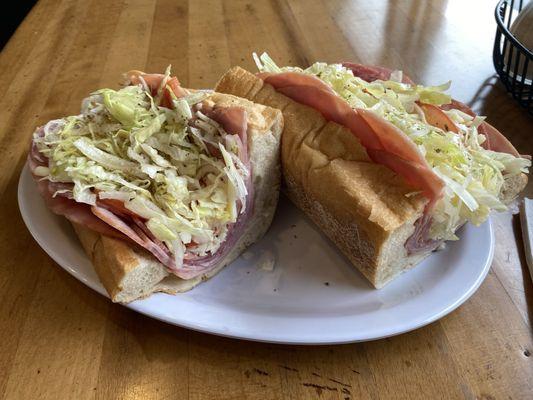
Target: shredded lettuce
(473, 176)
(122, 104)
(155, 160)
(105, 159)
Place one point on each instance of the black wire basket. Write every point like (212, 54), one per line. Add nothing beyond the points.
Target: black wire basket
(513, 62)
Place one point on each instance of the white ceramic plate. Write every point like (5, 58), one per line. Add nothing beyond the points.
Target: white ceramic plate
(313, 295)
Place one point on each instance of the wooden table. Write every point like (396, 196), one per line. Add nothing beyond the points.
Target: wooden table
(61, 340)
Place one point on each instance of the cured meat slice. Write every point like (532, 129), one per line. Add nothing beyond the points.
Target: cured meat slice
(372, 73)
(385, 144)
(153, 81)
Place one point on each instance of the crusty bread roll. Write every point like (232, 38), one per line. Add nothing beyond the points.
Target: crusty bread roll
(361, 206)
(128, 272)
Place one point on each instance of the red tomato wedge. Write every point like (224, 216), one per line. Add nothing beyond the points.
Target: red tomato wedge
(496, 141)
(437, 117)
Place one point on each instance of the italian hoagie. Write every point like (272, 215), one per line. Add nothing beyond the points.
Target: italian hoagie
(388, 169)
(164, 186)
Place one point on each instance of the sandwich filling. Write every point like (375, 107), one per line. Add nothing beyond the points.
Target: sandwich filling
(153, 164)
(439, 146)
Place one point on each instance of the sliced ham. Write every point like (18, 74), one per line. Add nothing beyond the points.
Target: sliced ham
(286, 79)
(62, 203)
(153, 81)
(415, 175)
(419, 241)
(162, 254)
(385, 144)
(131, 225)
(232, 119)
(235, 122)
(112, 220)
(402, 146)
(78, 213)
(176, 88)
(116, 206)
(140, 223)
(96, 218)
(193, 267)
(141, 239)
(331, 106)
(371, 73)
(496, 141)
(35, 158)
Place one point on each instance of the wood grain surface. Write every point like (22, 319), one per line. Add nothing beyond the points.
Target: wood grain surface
(61, 340)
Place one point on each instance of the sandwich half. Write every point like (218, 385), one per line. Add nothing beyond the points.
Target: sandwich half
(164, 186)
(388, 169)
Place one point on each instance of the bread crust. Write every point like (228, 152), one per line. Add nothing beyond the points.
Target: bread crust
(129, 272)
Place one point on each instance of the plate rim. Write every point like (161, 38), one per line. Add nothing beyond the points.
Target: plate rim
(220, 331)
